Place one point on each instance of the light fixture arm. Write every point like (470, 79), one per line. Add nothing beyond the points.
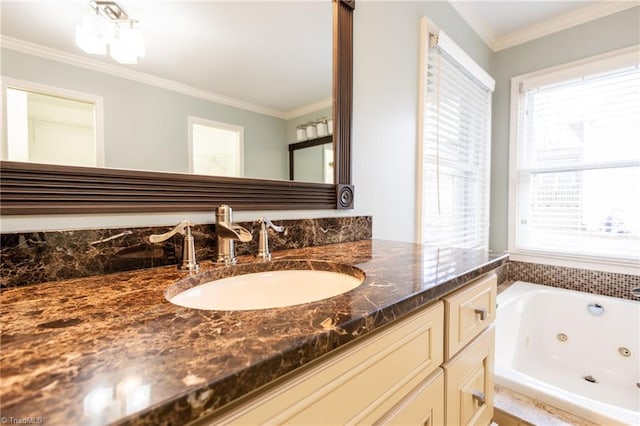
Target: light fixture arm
(111, 11)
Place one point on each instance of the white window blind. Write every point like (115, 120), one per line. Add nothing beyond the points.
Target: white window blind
(456, 143)
(578, 166)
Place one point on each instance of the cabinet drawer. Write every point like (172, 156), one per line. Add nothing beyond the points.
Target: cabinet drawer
(354, 384)
(469, 383)
(423, 406)
(468, 311)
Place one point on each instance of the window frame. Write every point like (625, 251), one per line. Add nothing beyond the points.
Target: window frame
(193, 120)
(29, 86)
(595, 64)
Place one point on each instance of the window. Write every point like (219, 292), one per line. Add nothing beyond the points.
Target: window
(53, 126)
(456, 115)
(575, 160)
(215, 148)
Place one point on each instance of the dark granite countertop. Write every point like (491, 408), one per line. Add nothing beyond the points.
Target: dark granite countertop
(111, 349)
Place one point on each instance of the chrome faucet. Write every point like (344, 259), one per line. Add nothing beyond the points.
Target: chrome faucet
(188, 247)
(263, 239)
(226, 234)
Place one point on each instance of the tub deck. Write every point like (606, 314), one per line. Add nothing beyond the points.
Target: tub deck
(530, 411)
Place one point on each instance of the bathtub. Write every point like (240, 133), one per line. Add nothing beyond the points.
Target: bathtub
(550, 347)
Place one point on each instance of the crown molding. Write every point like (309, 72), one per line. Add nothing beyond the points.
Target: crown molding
(308, 109)
(475, 21)
(122, 72)
(549, 26)
(562, 22)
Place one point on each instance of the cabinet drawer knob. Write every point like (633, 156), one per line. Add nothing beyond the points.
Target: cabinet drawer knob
(482, 312)
(479, 396)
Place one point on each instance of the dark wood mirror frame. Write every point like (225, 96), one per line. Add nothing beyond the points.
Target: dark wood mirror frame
(30, 188)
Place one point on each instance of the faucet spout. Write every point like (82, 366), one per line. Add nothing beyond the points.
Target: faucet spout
(233, 232)
(226, 234)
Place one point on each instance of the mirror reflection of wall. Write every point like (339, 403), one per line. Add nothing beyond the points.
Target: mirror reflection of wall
(328, 161)
(154, 120)
(309, 169)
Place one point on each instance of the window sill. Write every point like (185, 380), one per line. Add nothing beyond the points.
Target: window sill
(594, 264)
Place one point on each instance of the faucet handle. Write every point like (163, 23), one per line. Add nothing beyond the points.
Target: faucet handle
(188, 247)
(265, 224)
(263, 240)
(182, 228)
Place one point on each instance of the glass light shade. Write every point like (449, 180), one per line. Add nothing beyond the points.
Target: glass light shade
(128, 46)
(94, 34)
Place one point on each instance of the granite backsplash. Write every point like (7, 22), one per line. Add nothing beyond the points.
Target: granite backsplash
(36, 257)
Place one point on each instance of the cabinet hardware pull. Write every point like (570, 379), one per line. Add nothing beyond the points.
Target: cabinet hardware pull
(479, 396)
(482, 312)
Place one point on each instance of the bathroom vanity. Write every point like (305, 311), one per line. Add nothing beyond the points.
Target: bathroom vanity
(111, 349)
(397, 375)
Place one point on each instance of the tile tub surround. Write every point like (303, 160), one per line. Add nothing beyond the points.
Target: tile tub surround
(30, 258)
(65, 342)
(596, 282)
(502, 273)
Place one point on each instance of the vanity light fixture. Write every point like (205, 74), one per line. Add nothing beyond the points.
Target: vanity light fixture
(109, 26)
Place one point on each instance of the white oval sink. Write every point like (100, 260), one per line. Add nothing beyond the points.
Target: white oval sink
(265, 290)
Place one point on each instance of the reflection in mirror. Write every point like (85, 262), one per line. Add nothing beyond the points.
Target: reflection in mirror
(314, 164)
(219, 73)
(215, 148)
(50, 129)
(29, 189)
(312, 160)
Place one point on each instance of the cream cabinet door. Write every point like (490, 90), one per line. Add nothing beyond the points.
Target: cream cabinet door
(469, 383)
(468, 311)
(424, 406)
(359, 384)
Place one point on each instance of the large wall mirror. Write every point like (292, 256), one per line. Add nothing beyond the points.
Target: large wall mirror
(255, 87)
